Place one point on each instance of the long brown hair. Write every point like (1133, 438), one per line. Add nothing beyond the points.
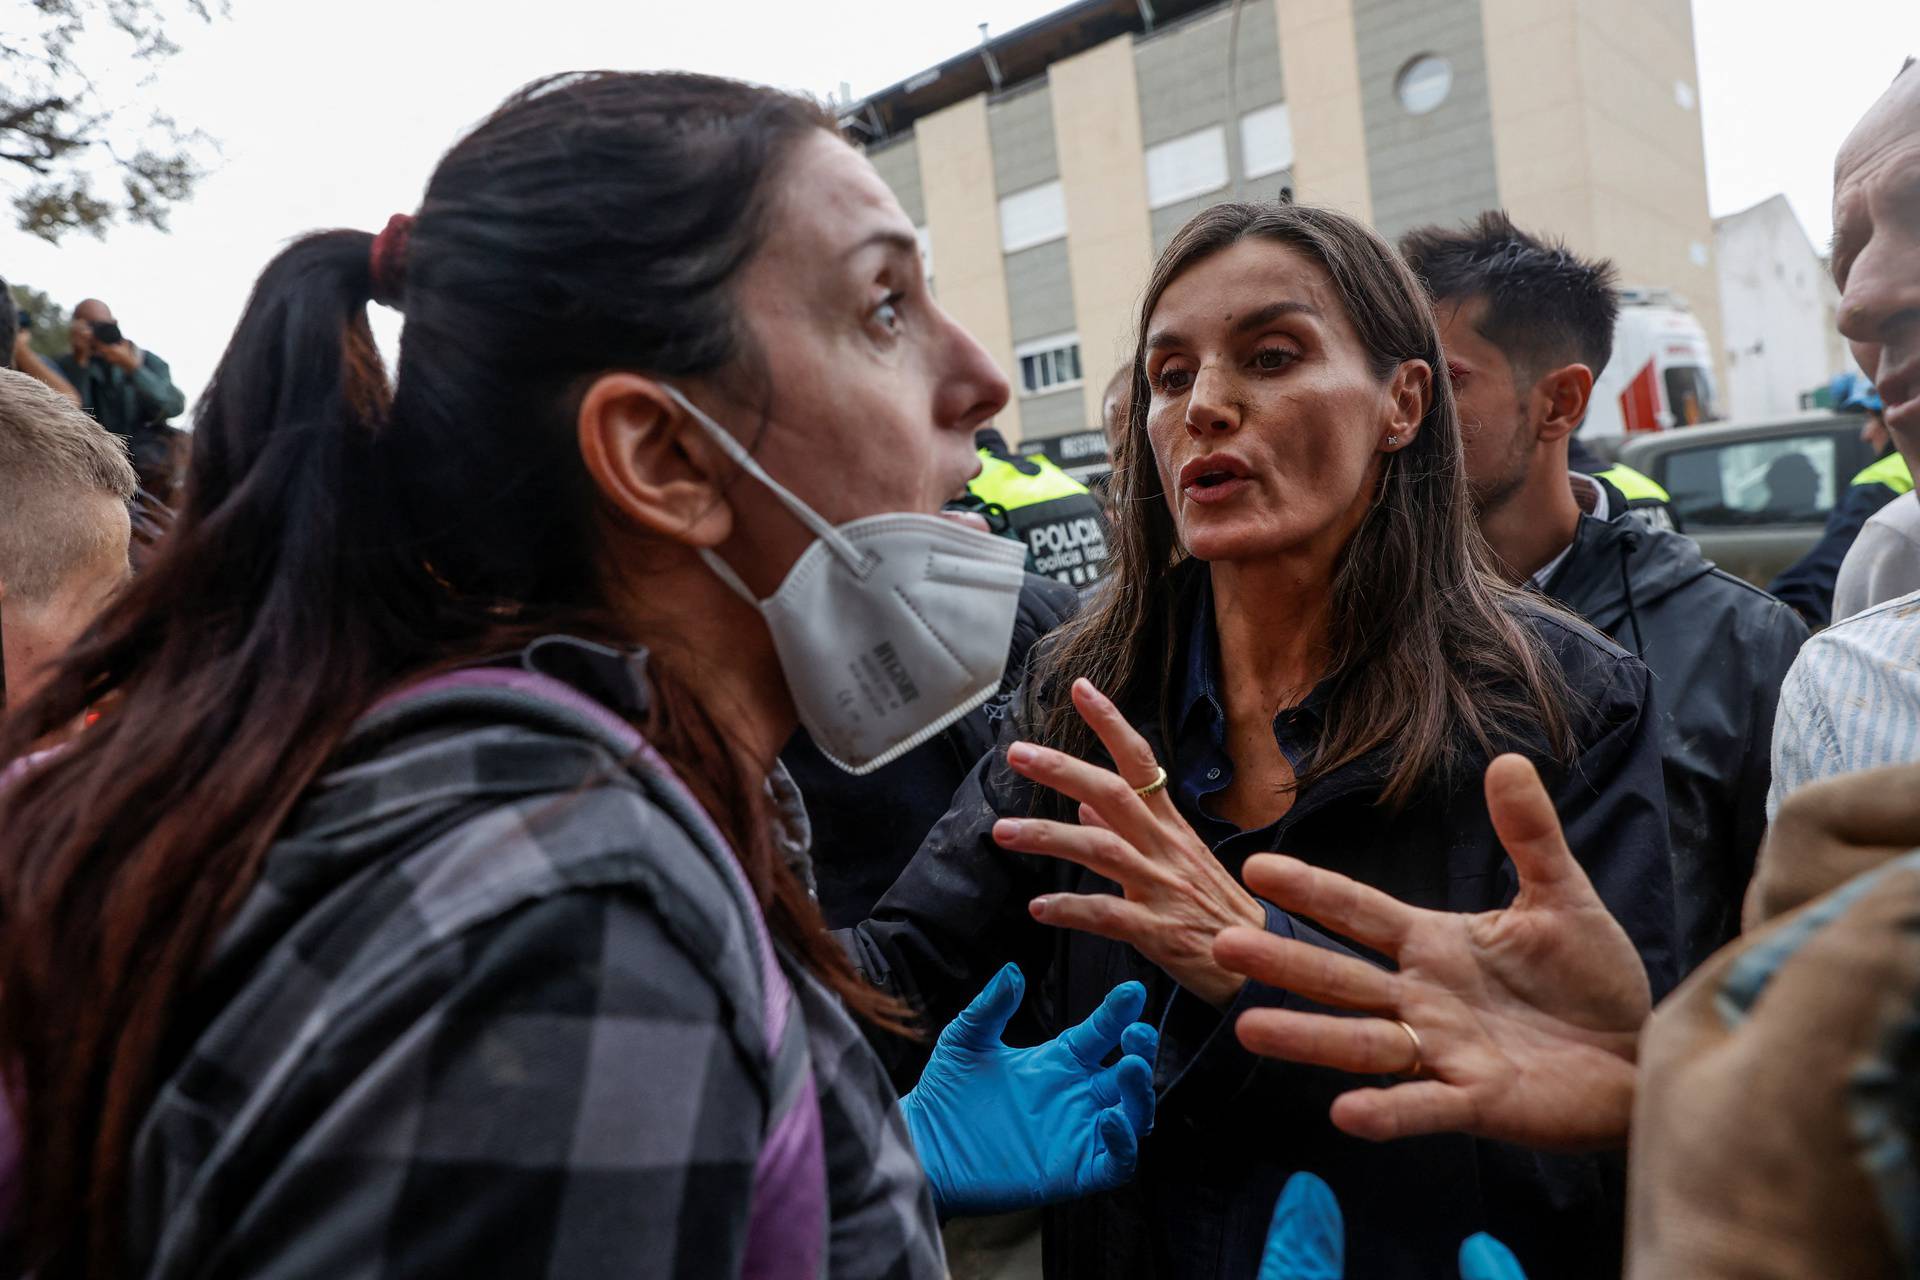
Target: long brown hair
(1429, 656)
(342, 535)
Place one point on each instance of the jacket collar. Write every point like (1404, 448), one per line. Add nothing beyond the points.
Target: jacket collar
(1198, 725)
(617, 678)
(1199, 688)
(1619, 565)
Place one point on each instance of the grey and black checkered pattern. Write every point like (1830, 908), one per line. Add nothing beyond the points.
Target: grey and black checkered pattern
(491, 1012)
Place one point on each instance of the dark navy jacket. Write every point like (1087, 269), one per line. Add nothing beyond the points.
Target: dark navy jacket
(1232, 1127)
(1719, 650)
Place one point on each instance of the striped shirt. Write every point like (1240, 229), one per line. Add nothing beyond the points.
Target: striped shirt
(1851, 700)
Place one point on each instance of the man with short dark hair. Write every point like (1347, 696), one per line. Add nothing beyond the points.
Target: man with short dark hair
(128, 390)
(1526, 326)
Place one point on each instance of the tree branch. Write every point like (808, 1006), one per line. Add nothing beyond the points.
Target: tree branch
(52, 118)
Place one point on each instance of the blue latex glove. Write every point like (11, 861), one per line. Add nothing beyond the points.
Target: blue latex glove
(1484, 1258)
(1307, 1240)
(1000, 1129)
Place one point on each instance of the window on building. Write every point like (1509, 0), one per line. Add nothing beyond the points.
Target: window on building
(1032, 217)
(925, 237)
(1182, 168)
(1049, 364)
(1266, 141)
(1424, 83)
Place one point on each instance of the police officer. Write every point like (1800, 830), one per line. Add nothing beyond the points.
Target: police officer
(1028, 497)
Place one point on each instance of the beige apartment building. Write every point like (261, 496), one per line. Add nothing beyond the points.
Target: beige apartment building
(1046, 168)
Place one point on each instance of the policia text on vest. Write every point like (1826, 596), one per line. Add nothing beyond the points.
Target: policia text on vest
(1054, 514)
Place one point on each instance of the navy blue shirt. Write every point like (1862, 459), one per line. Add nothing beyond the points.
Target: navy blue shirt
(1200, 740)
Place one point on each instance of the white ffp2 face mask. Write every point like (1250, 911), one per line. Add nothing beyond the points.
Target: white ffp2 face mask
(889, 628)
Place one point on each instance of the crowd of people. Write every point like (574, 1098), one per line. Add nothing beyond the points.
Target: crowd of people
(601, 798)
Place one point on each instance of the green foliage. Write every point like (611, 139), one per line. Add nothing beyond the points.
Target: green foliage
(48, 335)
(74, 161)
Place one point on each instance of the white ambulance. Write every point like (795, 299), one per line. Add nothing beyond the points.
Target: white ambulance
(1661, 373)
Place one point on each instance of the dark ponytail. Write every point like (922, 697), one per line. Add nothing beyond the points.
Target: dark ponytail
(343, 534)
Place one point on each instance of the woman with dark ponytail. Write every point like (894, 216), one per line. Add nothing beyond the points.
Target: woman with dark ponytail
(424, 899)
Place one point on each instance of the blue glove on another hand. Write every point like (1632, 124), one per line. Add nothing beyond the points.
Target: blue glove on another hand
(1000, 1129)
(1484, 1258)
(1308, 1240)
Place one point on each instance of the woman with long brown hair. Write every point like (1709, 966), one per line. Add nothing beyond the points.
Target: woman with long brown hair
(1301, 647)
(423, 901)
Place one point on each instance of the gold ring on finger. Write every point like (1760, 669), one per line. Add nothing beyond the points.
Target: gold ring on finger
(1158, 784)
(1419, 1067)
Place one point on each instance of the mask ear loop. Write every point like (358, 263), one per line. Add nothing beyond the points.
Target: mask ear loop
(723, 571)
(856, 560)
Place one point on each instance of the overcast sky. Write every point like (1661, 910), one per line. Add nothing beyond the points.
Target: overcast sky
(332, 113)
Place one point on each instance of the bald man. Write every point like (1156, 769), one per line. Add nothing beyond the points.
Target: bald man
(126, 389)
(1852, 698)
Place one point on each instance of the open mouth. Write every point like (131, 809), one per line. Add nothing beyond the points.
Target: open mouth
(1212, 478)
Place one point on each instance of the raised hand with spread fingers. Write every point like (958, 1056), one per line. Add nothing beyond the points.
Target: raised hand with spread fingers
(1175, 896)
(1520, 1024)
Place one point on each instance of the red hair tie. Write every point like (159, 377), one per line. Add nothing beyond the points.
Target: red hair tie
(387, 265)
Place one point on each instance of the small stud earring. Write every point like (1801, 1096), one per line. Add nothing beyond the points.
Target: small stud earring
(1393, 439)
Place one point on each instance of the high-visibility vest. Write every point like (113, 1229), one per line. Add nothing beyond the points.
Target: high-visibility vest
(1016, 483)
(1055, 515)
(1633, 485)
(1891, 471)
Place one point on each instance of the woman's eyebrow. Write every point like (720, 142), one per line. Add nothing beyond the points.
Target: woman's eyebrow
(888, 237)
(1273, 311)
(1259, 319)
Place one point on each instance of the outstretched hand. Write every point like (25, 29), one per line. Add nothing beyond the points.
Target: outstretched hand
(1175, 896)
(1527, 1019)
(999, 1128)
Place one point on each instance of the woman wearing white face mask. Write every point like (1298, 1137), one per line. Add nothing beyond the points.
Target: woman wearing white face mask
(422, 901)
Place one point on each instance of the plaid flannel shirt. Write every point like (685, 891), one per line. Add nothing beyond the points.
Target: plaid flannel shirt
(489, 1011)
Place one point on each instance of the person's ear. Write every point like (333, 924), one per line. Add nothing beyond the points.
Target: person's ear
(1560, 401)
(652, 463)
(1409, 392)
